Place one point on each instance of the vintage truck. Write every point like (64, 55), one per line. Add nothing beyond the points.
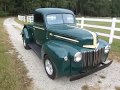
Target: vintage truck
(65, 49)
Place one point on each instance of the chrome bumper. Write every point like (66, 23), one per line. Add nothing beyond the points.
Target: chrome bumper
(102, 66)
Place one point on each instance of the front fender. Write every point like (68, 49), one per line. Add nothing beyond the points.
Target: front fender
(56, 54)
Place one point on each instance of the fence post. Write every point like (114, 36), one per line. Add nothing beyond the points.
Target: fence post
(112, 31)
(24, 18)
(18, 17)
(82, 22)
(27, 19)
(30, 19)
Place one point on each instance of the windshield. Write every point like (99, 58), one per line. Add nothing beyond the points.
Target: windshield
(60, 19)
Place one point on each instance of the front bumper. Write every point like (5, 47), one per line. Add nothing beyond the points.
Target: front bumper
(102, 66)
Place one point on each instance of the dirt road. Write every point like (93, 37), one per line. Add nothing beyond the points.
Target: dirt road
(105, 79)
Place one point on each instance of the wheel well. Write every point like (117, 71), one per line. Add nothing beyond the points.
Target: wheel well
(44, 56)
(22, 35)
(54, 65)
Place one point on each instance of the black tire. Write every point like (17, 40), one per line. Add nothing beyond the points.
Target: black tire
(53, 74)
(26, 46)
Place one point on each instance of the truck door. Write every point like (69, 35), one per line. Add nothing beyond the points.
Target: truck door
(39, 29)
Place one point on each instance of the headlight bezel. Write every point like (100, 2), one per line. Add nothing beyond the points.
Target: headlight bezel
(78, 57)
(107, 49)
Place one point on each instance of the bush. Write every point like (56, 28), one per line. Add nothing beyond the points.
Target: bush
(3, 14)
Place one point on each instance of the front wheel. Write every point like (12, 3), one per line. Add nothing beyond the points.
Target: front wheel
(50, 68)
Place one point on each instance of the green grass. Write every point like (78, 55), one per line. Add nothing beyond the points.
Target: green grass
(98, 23)
(13, 74)
(102, 24)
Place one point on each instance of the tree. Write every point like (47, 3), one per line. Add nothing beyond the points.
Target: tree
(115, 8)
(82, 7)
(97, 8)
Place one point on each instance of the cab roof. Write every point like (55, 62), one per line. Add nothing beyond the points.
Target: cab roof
(46, 11)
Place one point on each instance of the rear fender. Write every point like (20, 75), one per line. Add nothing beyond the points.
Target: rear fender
(27, 33)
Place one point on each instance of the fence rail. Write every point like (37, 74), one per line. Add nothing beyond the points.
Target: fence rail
(28, 18)
(81, 23)
(112, 28)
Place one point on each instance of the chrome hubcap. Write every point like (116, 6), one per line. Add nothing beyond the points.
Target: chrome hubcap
(48, 67)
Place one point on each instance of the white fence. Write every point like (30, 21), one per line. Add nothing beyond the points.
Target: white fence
(112, 28)
(21, 18)
(81, 23)
(28, 19)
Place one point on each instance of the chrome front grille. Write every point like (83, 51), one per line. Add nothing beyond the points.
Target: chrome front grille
(92, 58)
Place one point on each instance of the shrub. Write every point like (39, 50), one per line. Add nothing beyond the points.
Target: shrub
(3, 14)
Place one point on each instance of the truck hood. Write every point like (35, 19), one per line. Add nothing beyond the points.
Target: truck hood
(81, 36)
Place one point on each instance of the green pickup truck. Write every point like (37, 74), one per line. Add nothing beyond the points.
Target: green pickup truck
(65, 49)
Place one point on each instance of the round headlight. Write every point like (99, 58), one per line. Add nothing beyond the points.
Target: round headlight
(107, 49)
(78, 57)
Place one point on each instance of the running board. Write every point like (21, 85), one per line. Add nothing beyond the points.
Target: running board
(35, 48)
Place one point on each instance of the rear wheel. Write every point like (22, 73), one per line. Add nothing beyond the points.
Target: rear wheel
(26, 46)
(50, 68)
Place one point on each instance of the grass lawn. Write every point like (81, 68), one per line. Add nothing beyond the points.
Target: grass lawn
(13, 74)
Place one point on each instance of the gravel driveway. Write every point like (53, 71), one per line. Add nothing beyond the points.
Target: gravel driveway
(105, 79)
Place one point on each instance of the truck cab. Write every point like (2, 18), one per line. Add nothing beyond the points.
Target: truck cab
(65, 49)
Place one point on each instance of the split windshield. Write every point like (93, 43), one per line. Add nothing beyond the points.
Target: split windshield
(60, 19)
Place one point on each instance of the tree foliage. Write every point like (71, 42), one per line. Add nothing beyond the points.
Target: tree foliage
(80, 7)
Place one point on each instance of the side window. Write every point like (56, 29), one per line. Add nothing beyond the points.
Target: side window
(38, 18)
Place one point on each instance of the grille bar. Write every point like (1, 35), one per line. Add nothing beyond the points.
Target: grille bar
(92, 58)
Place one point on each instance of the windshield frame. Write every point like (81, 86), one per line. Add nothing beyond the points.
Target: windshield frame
(63, 20)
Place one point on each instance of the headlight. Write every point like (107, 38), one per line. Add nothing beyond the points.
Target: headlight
(107, 49)
(78, 57)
